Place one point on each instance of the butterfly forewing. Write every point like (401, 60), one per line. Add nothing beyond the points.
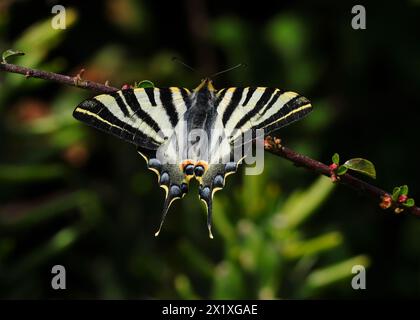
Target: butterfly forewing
(242, 109)
(142, 116)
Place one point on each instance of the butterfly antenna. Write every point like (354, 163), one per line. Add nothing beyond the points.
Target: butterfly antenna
(175, 59)
(227, 70)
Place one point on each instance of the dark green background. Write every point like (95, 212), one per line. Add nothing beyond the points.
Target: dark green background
(74, 196)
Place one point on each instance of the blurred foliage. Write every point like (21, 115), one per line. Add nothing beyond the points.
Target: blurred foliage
(73, 196)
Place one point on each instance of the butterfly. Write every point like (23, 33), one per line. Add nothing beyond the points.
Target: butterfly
(159, 122)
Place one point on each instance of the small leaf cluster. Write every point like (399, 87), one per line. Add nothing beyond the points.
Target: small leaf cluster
(361, 165)
(400, 195)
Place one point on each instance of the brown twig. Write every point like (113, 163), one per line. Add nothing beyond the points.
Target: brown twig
(271, 145)
(76, 81)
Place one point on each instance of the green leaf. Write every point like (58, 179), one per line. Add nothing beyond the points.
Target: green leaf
(361, 165)
(341, 170)
(296, 249)
(320, 278)
(300, 205)
(336, 158)
(409, 203)
(404, 190)
(396, 193)
(144, 84)
(10, 53)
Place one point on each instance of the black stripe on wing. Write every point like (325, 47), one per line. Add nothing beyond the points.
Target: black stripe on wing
(272, 101)
(138, 112)
(220, 95)
(97, 115)
(249, 94)
(233, 104)
(151, 95)
(262, 101)
(295, 109)
(168, 103)
(186, 97)
(120, 103)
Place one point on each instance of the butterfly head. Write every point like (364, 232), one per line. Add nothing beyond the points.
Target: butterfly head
(205, 85)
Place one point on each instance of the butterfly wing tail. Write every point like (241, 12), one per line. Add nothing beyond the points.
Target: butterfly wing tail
(173, 193)
(205, 194)
(212, 181)
(175, 185)
(170, 178)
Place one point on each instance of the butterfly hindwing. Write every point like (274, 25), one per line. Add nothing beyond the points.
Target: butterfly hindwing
(213, 180)
(170, 177)
(142, 116)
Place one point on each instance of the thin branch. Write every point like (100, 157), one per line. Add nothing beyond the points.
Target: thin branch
(271, 145)
(75, 81)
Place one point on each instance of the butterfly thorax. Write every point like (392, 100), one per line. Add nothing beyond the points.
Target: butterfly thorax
(201, 114)
(200, 119)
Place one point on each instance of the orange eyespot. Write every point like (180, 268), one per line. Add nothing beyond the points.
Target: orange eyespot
(202, 163)
(200, 168)
(191, 168)
(187, 166)
(198, 171)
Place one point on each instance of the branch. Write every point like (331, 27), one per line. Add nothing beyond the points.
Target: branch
(271, 145)
(76, 81)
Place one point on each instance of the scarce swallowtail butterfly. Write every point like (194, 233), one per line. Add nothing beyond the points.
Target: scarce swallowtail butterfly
(160, 121)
